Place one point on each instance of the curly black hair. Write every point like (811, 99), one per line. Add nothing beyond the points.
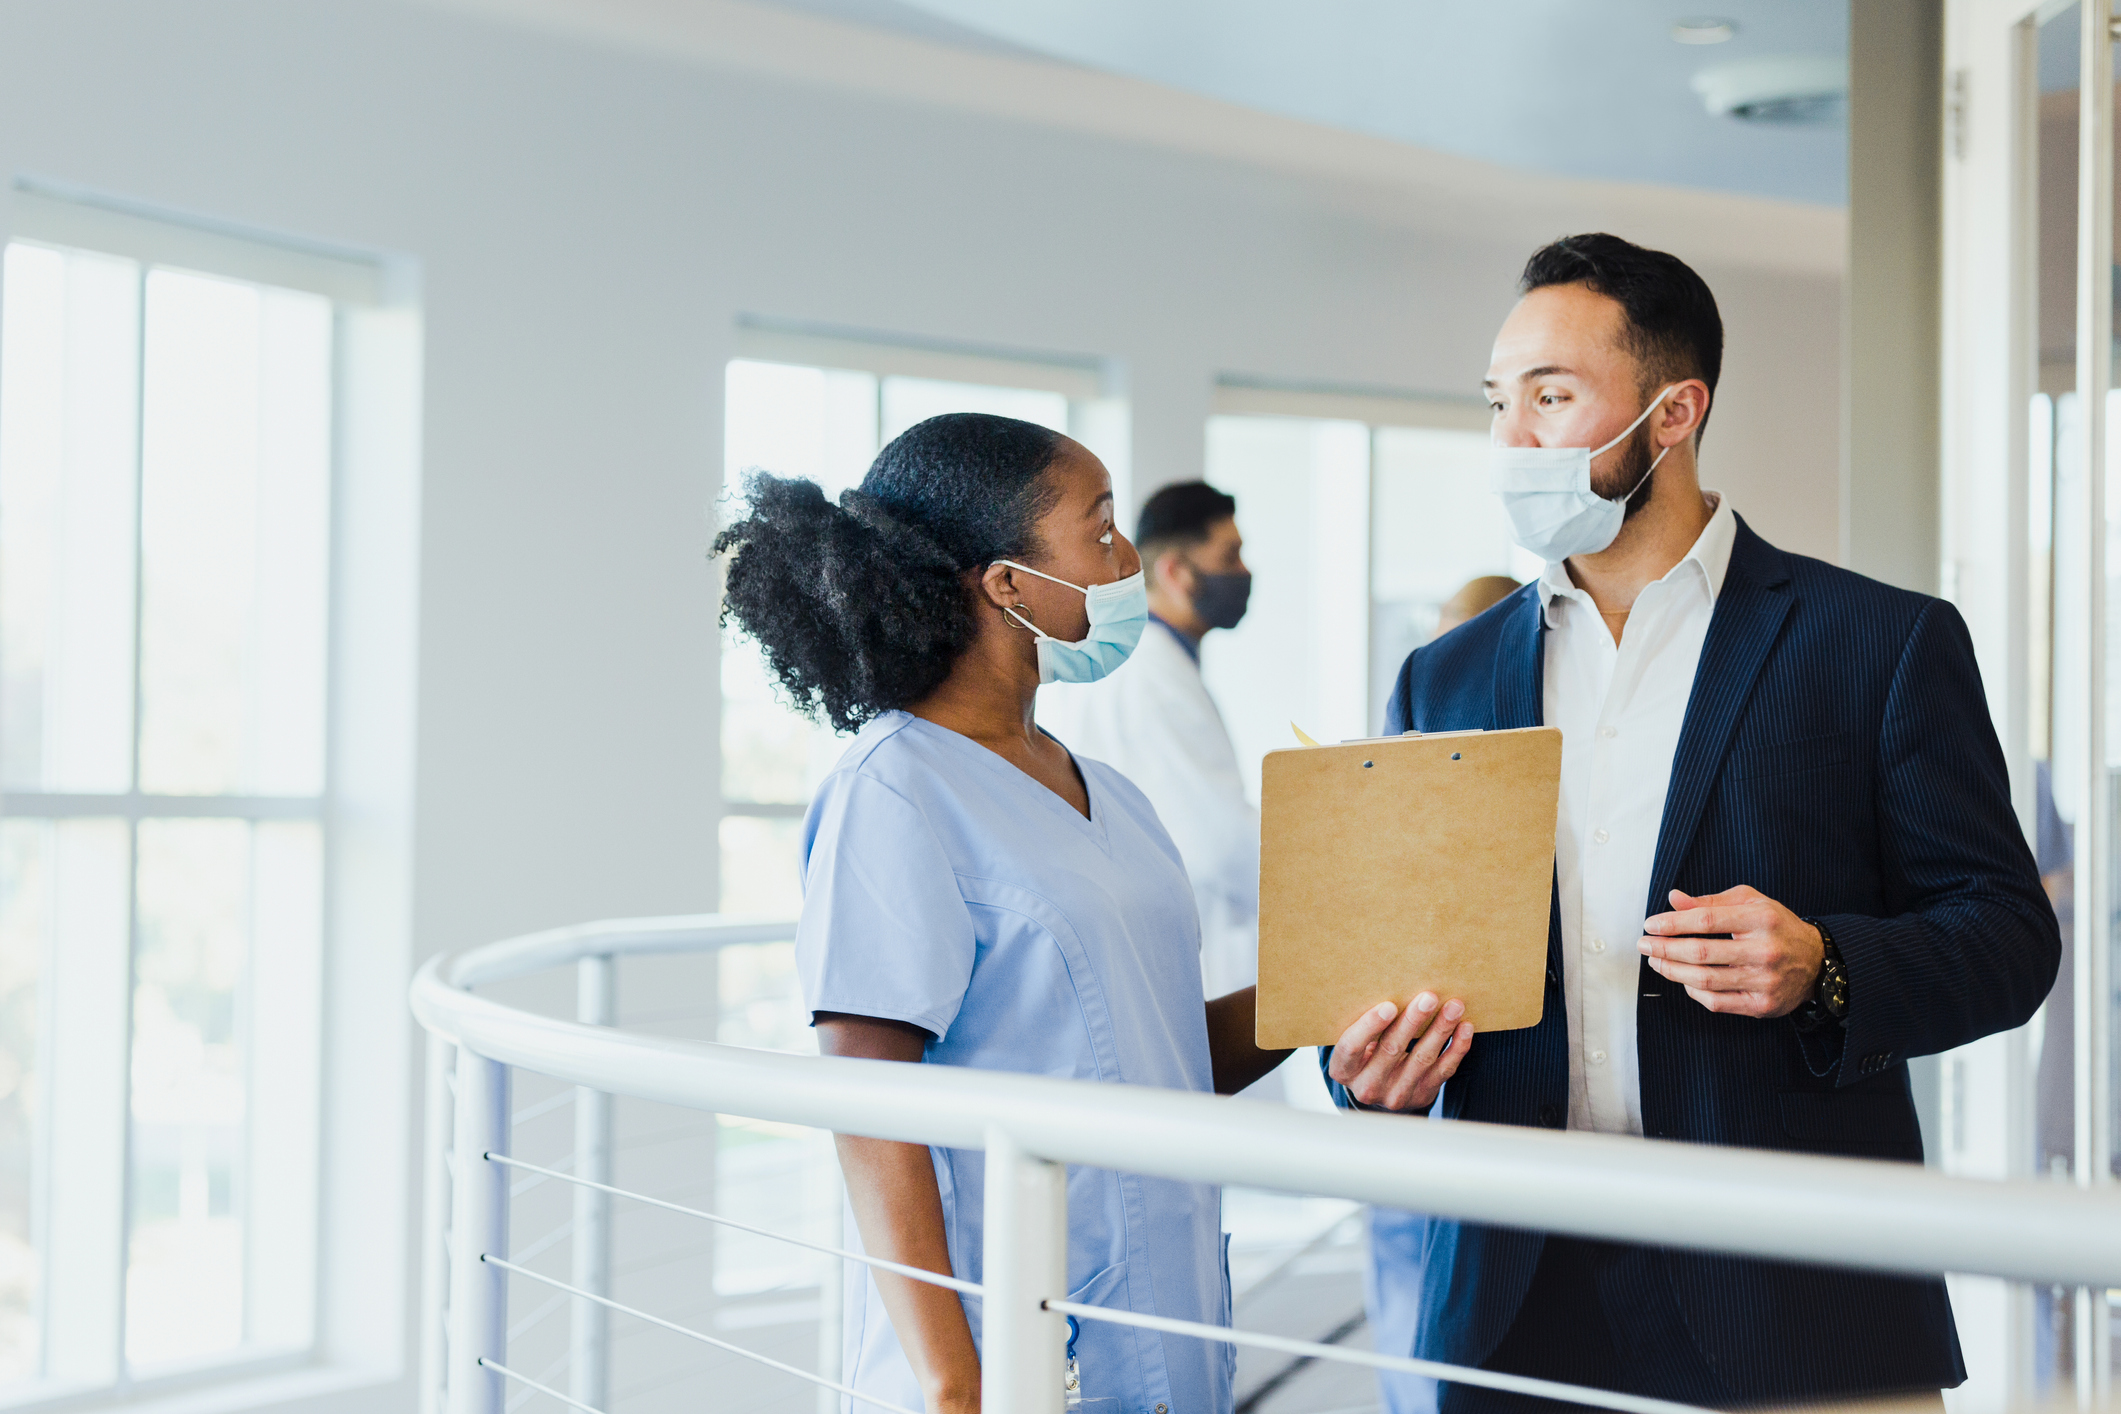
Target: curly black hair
(863, 607)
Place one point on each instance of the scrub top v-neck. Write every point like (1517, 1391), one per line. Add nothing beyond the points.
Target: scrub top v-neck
(946, 888)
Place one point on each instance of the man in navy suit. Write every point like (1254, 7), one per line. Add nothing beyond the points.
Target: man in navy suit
(1786, 862)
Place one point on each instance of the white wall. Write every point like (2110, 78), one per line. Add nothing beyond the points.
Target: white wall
(589, 224)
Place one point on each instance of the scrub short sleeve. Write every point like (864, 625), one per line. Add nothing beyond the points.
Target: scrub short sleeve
(884, 931)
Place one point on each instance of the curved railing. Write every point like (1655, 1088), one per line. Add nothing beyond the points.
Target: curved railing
(1851, 1213)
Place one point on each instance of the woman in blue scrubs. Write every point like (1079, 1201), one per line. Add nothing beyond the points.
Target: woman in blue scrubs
(974, 895)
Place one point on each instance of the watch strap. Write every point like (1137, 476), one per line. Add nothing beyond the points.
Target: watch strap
(1818, 1012)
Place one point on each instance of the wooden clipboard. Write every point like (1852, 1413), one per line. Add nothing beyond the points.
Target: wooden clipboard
(1400, 864)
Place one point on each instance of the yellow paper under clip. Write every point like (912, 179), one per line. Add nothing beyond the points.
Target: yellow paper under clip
(1301, 738)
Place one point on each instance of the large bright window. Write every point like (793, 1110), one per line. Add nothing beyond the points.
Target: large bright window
(166, 453)
(1357, 529)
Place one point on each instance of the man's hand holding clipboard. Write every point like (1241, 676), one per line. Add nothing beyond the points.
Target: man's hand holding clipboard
(1393, 1060)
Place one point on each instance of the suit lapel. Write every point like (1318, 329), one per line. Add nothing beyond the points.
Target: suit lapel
(1749, 614)
(1520, 687)
(1520, 665)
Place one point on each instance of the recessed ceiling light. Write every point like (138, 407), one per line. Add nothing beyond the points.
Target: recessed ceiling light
(1703, 30)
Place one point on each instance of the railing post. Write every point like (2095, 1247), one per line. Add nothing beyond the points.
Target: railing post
(1023, 1346)
(596, 1004)
(478, 1292)
(434, 1237)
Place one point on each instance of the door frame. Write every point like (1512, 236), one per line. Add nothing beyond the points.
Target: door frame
(1989, 369)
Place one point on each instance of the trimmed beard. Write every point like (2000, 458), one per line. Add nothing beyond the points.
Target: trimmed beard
(1629, 475)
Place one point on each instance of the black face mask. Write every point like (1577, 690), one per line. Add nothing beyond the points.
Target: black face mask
(1220, 599)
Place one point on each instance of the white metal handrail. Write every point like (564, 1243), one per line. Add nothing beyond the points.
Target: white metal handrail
(1853, 1213)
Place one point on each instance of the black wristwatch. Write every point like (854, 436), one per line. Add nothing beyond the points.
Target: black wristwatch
(1829, 1002)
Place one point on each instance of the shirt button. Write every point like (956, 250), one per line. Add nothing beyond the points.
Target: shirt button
(1600, 836)
(1161, 1410)
(1598, 945)
(1598, 1058)
(1609, 731)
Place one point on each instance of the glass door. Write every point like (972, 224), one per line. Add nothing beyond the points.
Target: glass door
(2032, 542)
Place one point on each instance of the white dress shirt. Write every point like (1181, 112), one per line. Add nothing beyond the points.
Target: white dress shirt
(1620, 708)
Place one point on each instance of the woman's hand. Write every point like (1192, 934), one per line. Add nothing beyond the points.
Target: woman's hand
(1401, 1064)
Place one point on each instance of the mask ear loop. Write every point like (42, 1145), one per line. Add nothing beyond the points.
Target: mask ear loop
(1655, 403)
(1077, 587)
(1645, 477)
(1022, 622)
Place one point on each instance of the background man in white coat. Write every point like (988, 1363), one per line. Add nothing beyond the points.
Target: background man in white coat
(1154, 721)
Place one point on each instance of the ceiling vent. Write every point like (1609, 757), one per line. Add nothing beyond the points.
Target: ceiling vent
(1788, 89)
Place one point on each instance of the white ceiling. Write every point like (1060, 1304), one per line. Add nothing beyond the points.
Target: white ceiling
(1581, 88)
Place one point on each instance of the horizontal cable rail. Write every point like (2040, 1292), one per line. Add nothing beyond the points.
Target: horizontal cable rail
(518, 1189)
(1830, 1211)
(674, 1328)
(1457, 1374)
(523, 1396)
(1838, 1212)
(916, 1273)
(1515, 1384)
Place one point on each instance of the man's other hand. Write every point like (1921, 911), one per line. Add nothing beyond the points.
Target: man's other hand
(1766, 966)
(1390, 1060)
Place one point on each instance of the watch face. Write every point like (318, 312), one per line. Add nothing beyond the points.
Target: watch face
(1834, 991)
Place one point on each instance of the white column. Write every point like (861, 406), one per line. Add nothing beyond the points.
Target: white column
(1889, 523)
(596, 1004)
(1891, 490)
(478, 1292)
(1024, 1347)
(2094, 927)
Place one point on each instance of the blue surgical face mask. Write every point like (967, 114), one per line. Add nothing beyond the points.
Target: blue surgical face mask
(1547, 492)
(1119, 611)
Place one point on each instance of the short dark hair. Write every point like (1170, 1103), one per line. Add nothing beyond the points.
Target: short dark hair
(862, 607)
(1180, 516)
(1674, 331)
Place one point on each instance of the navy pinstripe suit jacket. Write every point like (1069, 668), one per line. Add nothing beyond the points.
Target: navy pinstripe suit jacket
(1837, 755)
